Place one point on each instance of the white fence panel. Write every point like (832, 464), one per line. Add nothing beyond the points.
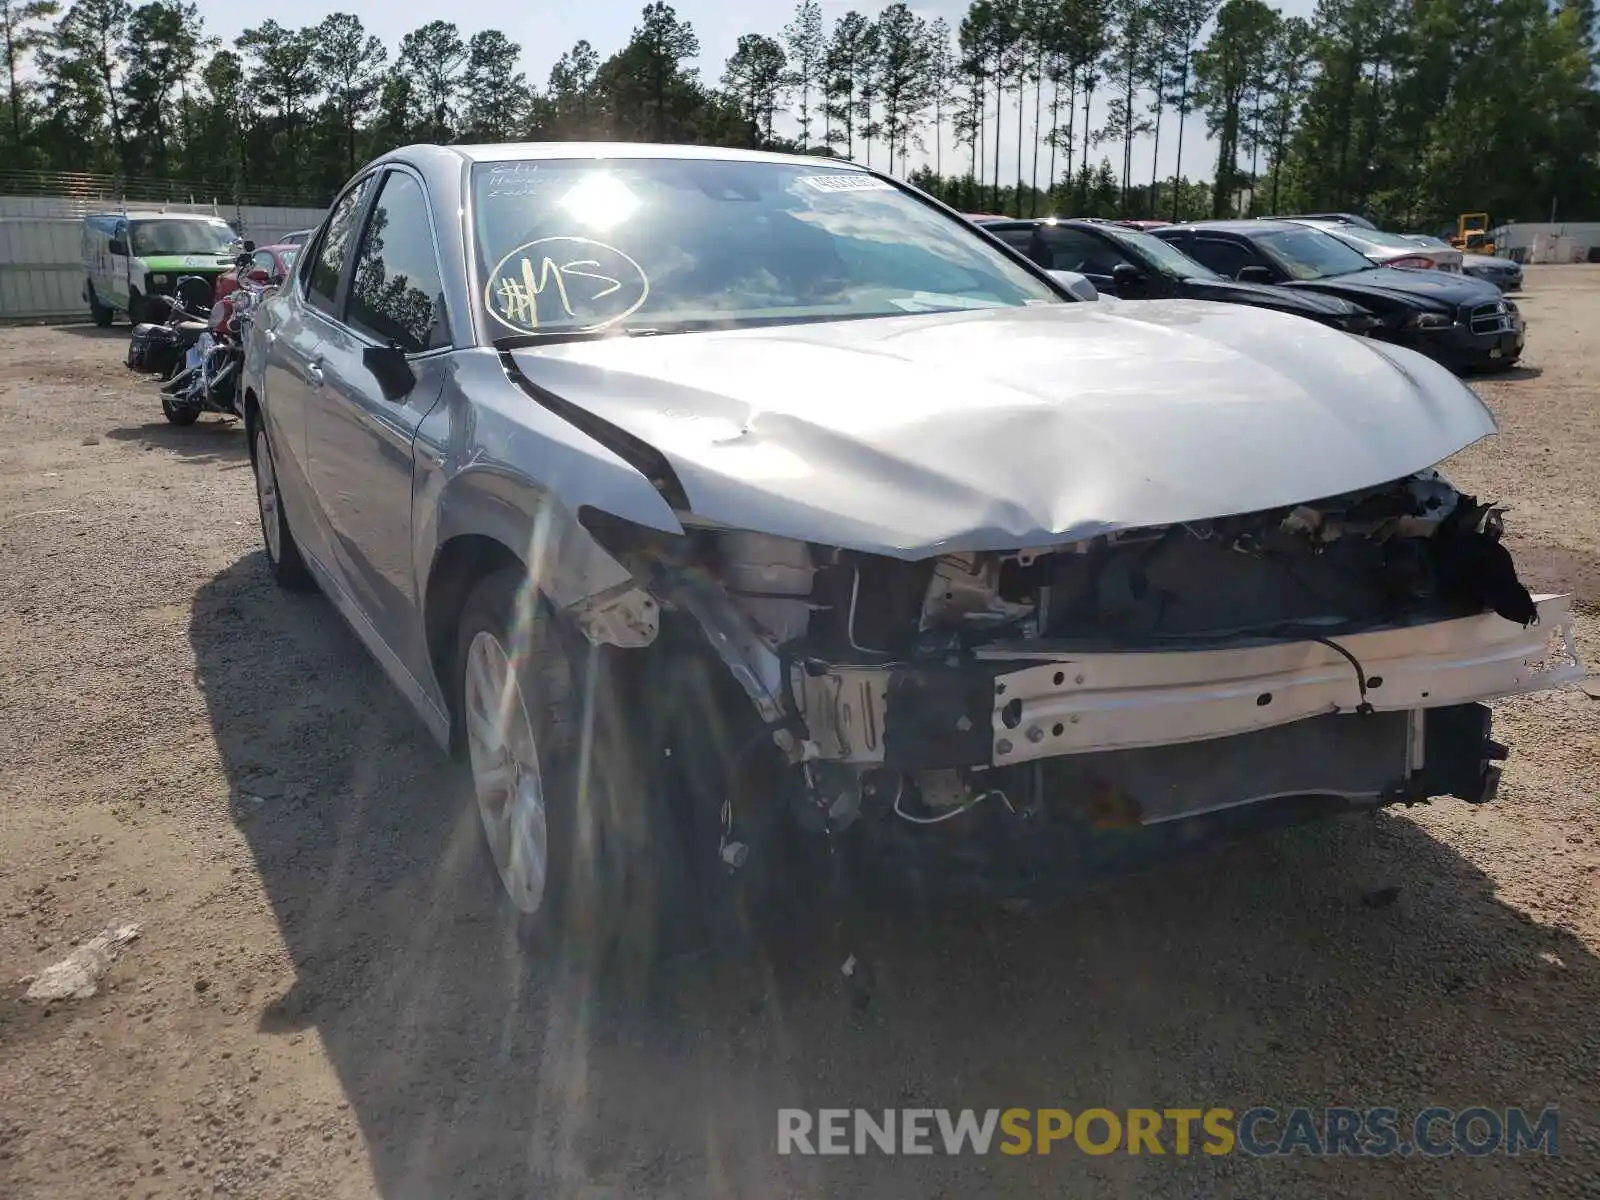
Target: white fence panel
(41, 256)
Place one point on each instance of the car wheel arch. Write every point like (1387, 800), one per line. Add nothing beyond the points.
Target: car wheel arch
(458, 566)
(486, 521)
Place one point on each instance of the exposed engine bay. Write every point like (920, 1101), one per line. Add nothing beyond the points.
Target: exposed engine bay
(1418, 548)
(1337, 648)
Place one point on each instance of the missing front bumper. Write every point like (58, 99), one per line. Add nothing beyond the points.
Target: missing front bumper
(987, 712)
(1365, 761)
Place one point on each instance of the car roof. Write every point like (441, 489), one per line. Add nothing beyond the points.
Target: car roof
(517, 151)
(1237, 225)
(134, 214)
(1025, 220)
(1339, 218)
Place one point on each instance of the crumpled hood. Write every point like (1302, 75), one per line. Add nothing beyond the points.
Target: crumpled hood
(1020, 427)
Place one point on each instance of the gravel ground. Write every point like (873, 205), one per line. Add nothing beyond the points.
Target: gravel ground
(323, 1001)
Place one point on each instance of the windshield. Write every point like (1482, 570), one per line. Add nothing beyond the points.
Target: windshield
(1165, 255)
(1377, 238)
(1310, 254)
(203, 235)
(1424, 239)
(575, 245)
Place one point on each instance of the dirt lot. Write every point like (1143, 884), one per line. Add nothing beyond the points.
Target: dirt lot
(323, 1001)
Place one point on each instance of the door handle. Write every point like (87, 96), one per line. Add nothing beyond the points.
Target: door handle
(272, 337)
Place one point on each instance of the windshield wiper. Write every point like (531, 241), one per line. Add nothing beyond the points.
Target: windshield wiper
(552, 337)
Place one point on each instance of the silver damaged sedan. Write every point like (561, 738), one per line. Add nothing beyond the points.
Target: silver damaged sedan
(697, 496)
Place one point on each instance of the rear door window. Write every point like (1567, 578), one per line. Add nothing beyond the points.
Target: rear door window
(1225, 258)
(1024, 240)
(1014, 237)
(1076, 250)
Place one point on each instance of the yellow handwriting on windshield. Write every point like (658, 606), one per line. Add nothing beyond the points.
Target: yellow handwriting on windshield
(520, 301)
(573, 282)
(572, 269)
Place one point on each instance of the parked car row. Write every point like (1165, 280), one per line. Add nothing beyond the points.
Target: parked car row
(1504, 273)
(1472, 233)
(1339, 274)
(1134, 265)
(700, 499)
(1390, 249)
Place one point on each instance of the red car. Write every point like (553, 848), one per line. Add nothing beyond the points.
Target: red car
(268, 264)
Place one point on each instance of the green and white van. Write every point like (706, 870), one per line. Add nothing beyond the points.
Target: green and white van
(130, 256)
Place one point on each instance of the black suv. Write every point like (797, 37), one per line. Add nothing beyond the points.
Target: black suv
(1457, 320)
(1132, 265)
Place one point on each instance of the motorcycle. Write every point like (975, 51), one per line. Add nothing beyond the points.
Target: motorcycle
(199, 350)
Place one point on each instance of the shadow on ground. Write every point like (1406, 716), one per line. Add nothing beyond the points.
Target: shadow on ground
(1513, 374)
(210, 439)
(1264, 974)
(120, 330)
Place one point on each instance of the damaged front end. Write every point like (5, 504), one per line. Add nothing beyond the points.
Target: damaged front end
(1339, 651)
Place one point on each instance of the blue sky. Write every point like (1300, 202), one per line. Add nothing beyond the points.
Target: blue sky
(545, 32)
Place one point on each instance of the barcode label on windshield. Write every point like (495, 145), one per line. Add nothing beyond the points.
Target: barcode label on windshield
(847, 183)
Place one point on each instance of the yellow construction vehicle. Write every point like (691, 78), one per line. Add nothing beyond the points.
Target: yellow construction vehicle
(1472, 234)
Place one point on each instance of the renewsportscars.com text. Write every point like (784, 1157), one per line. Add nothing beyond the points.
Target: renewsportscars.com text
(1320, 1132)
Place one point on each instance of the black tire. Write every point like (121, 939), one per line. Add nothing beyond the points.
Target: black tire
(719, 752)
(179, 414)
(288, 568)
(99, 313)
(612, 883)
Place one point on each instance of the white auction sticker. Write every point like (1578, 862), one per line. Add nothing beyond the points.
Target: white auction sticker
(852, 182)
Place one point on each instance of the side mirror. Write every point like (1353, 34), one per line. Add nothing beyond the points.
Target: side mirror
(1075, 283)
(249, 246)
(1255, 275)
(389, 367)
(118, 247)
(1129, 283)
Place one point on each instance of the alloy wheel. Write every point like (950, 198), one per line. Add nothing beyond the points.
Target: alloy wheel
(505, 772)
(267, 497)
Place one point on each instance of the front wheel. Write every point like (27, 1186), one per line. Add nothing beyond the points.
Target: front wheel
(578, 833)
